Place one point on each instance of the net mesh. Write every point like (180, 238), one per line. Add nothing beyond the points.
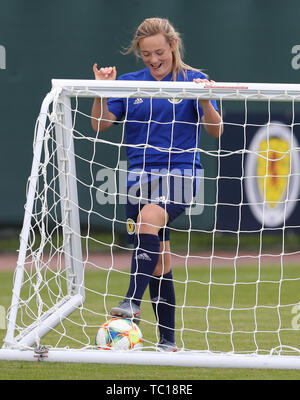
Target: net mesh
(235, 262)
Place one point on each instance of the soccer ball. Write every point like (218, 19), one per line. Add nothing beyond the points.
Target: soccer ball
(119, 334)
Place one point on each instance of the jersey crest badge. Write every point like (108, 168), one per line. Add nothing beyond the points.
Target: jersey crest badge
(130, 224)
(175, 101)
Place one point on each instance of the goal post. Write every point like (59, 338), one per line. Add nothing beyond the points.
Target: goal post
(71, 226)
(63, 291)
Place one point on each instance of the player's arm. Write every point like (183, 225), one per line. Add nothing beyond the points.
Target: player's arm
(100, 108)
(211, 119)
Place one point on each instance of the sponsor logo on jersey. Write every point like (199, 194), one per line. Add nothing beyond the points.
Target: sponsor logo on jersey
(138, 101)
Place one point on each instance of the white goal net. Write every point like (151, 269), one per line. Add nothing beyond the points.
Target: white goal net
(235, 251)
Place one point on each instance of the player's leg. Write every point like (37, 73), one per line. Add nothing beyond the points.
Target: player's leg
(164, 262)
(161, 285)
(144, 260)
(162, 294)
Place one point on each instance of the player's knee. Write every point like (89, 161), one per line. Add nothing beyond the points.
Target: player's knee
(151, 219)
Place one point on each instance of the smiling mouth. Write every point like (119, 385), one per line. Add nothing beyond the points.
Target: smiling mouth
(156, 66)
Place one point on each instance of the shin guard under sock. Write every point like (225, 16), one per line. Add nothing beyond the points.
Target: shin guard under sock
(162, 294)
(144, 260)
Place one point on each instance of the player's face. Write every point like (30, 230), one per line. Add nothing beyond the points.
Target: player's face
(157, 55)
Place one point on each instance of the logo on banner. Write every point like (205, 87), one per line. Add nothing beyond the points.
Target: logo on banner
(2, 57)
(272, 174)
(273, 170)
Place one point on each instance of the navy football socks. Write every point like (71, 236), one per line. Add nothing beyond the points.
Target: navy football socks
(162, 294)
(144, 260)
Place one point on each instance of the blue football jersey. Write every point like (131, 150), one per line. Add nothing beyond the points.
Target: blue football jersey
(160, 132)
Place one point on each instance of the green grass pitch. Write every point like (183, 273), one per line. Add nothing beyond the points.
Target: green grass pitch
(228, 322)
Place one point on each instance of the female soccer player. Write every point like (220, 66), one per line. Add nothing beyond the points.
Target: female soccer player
(154, 153)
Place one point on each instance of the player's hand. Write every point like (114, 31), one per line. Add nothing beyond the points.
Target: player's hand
(198, 80)
(104, 73)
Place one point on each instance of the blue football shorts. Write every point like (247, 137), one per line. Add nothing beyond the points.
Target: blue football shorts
(174, 193)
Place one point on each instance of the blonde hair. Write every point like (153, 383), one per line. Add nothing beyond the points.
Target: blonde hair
(154, 26)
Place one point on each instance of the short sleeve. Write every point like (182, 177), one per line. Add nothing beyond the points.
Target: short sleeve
(116, 106)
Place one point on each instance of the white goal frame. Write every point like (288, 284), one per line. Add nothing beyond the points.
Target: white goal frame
(22, 347)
